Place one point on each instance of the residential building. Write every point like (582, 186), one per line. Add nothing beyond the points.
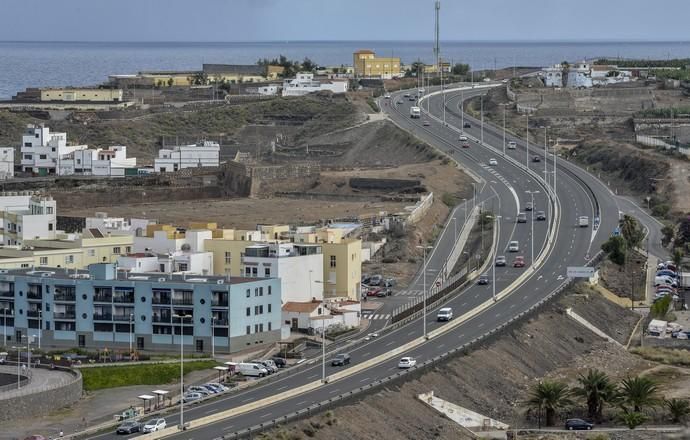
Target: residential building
(304, 83)
(100, 307)
(298, 266)
(164, 239)
(205, 154)
(265, 90)
(26, 217)
(81, 94)
(580, 75)
(603, 75)
(132, 226)
(317, 315)
(111, 161)
(553, 76)
(41, 150)
(234, 73)
(6, 163)
(368, 65)
(178, 262)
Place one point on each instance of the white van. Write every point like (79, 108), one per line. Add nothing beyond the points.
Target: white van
(445, 314)
(254, 370)
(513, 246)
(512, 145)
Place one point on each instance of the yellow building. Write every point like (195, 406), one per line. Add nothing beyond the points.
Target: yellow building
(368, 65)
(90, 95)
(342, 269)
(68, 251)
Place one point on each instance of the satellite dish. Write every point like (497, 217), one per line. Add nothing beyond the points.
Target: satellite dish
(186, 247)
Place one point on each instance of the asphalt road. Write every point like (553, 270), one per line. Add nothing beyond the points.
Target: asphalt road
(502, 192)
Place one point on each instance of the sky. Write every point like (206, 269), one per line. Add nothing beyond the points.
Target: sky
(293, 20)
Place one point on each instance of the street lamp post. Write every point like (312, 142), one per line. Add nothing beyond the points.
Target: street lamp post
(462, 110)
(213, 336)
(493, 276)
(481, 114)
(323, 333)
(545, 151)
(40, 327)
(474, 195)
(464, 205)
(532, 193)
(455, 230)
(555, 158)
(527, 138)
(131, 319)
(182, 318)
(424, 266)
(504, 128)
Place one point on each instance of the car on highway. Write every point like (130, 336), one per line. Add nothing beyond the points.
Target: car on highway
(444, 314)
(154, 425)
(493, 161)
(407, 362)
(483, 280)
(400, 102)
(519, 261)
(406, 95)
(466, 125)
(513, 246)
(501, 260)
(578, 424)
(387, 96)
(192, 397)
(465, 145)
(412, 98)
(426, 123)
(463, 138)
(529, 206)
(522, 218)
(583, 221)
(512, 145)
(129, 427)
(384, 292)
(536, 159)
(340, 360)
(541, 216)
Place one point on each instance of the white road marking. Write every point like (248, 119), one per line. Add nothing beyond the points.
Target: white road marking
(281, 388)
(365, 379)
(310, 377)
(266, 415)
(390, 343)
(247, 400)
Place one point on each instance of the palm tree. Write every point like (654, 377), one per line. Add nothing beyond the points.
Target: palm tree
(596, 389)
(679, 409)
(639, 392)
(632, 419)
(550, 396)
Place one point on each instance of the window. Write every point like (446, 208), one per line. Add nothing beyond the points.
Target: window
(249, 293)
(248, 271)
(50, 226)
(28, 144)
(261, 291)
(69, 259)
(261, 327)
(24, 265)
(269, 326)
(256, 291)
(256, 310)
(42, 156)
(267, 272)
(128, 249)
(249, 329)
(269, 308)
(182, 267)
(249, 311)
(255, 271)
(261, 310)
(256, 328)
(91, 252)
(332, 260)
(269, 290)
(116, 250)
(44, 261)
(28, 157)
(228, 257)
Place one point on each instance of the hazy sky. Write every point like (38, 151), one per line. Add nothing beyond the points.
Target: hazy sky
(270, 20)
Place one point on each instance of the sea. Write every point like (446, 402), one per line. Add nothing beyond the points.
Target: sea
(44, 64)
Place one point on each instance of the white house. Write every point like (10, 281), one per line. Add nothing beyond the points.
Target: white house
(42, 150)
(304, 83)
(133, 226)
(205, 154)
(553, 76)
(27, 217)
(580, 75)
(299, 267)
(603, 75)
(191, 263)
(6, 163)
(266, 90)
(319, 315)
(162, 243)
(97, 162)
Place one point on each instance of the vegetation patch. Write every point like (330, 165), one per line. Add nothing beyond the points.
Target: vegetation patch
(667, 356)
(98, 378)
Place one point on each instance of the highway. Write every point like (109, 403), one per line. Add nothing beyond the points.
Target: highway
(502, 190)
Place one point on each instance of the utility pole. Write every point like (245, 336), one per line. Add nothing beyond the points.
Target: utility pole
(437, 45)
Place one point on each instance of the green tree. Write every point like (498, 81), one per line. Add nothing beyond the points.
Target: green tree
(550, 396)
(660, 309)
(170, 82)
(677, 258)
(632, 419)
(461, 69)
(308, 65)
(639, 392)
(678, 409)
(615, 248)
(632, 232)
(596, 389)
(199, 79)
(668, 232)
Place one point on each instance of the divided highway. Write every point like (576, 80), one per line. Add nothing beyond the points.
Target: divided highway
(501, 190)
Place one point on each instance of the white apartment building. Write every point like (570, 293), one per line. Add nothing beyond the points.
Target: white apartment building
(580, 75)
(162, 242)
(553, 76)
(6, 163)
(304, 83)
(26, 217)
(132, 226)
(206, 154)
(299, 267)
(41, 150)
(189, 263)
(97, 162)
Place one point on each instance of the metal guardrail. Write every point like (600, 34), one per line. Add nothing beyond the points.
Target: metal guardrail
(52, 386)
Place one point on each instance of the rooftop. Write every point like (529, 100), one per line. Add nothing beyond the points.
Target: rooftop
(245, 69)
(301, 307)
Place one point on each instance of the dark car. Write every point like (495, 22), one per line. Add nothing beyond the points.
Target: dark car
(340, 359)
(280, 362)
(483, 280)
(466, 125)
(577, 424)
(129, 427)
(541, 216)
(536, 159)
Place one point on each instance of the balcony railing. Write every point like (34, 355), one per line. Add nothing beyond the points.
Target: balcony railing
(103, 298)
(220, 322)
(7, 294)
(122, 318)
(103, 317)
(219, 303)
(32, 313)
(183, 301)
(164, 319)
(64, 297)
(161, 300)
(66, 315)
(34, 295)
(123, 299)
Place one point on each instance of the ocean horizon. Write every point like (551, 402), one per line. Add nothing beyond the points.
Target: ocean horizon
(78, 63)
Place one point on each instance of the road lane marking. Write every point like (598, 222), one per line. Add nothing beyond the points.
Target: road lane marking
(441, 345)
(334, 391)
(365, 379)
(247, 400)
(281, 388)
(390, 343)
(312, 376)
(366, 354)
(266, 415)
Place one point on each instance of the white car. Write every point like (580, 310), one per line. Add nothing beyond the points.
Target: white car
(387, 96)
(154, 425)
(191, 397)
(513, 246)
(493, 161)
(512, 145)
(407, 362)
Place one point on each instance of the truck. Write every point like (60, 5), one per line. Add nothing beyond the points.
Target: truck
(583, 221)
(415, 112)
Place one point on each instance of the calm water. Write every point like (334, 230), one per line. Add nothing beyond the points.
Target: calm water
(30, 64)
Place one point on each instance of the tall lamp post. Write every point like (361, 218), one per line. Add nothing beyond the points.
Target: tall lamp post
(481, 114)
(493, 276)
(40, 327)
(527, 139)
(182, 426)
(323, 331)
(504, 127)
(131, 319)
(424, 287)
(213, 336)
(532, 193)
(545, 150)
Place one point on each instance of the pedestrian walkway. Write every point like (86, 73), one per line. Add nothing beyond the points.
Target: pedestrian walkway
(411, 292)
(366, 314)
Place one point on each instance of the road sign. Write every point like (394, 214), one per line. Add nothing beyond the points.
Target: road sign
(580, 272)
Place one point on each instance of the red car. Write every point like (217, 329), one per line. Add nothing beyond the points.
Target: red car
(465, 145)
(519, 262)
(374, 291)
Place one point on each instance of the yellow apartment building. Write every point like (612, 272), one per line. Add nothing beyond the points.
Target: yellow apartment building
(368, 65)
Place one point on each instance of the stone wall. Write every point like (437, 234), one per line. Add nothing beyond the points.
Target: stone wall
(42, 402)
(384, 184)
(266, 180)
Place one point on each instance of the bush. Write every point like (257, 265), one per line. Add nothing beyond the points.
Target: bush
(98, 378)
(660, 309)
(449, 199)
(374, 106)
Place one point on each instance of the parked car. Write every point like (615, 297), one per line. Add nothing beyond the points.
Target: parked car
(387, 96)
(340, 359)
(426, 123)
(219, 386)
(512, 145)
(529, 206)
(577, 424)
(519, 262)
(407, 362)
(383, 292)
(154, 425)
(129, 427)
(466, 125)
(374, 291)
(667, 273)
(389, 282)
(536, 159)
(366, 279)
(211, 388)
(251, 369)
(400, 102)
(271, 368)
(493, 162)
(501, 260)
(541, 216)
(444, 314)
(483, 280)
(513, 246)
(197, 389)
(35, 437)
(406, 95)
(375, 280)
(280, 362)
(522, 218)
(191, 397)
